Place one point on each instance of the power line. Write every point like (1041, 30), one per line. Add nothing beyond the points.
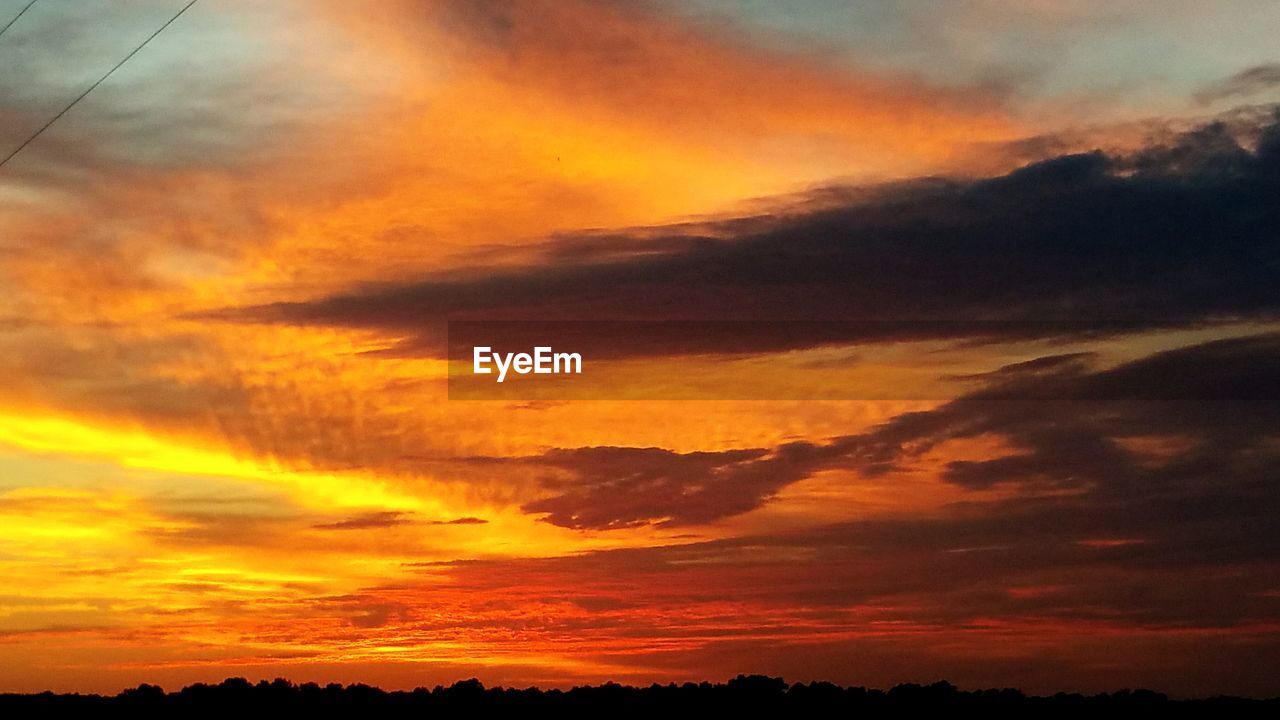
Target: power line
(21, 12)
(100, 80)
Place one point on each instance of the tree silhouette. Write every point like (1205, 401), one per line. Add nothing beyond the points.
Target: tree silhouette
(743, 694)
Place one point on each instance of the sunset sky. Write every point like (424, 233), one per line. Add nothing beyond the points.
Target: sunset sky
(1002, 405)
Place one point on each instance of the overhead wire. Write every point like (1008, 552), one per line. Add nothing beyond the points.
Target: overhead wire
(21, 12)
(99, 81)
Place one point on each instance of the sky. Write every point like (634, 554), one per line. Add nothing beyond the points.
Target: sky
(996, 404)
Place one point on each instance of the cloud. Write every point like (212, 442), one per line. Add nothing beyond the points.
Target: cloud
(1007, 588)
(1140, 514)
(1072, 428)
(1246, 83)
(618, 487)
(1068, 421)
(368, 521)
(460, 521)
(1171, 236)
(391, 518)
(328, 146)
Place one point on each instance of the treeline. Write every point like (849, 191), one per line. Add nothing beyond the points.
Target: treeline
(752, 694)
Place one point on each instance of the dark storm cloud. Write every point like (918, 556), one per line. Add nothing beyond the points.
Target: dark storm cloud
(1080, 244)
(1187, 433)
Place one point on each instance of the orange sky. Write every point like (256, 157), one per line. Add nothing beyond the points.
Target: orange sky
(187, 494)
